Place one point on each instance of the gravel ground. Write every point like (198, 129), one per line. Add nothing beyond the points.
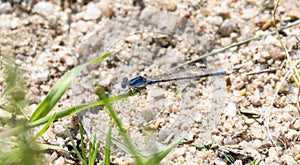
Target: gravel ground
(232, 113)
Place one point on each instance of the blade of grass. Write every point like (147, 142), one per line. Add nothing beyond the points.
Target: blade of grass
(68, 111)
(125, 147)
(159, 156)
(255, 162)
(59, 89)
(75, 109)
(93, 151)
(229, 158)
(56, 93)
(107, 147)
(132, 150)
(45, 128)
(180, 89)
(82, 142)
(75, 149)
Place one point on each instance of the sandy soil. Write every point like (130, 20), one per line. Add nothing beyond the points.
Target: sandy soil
(250, 114)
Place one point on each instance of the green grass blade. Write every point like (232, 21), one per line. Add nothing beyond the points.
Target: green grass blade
(107, 147)
(229, 158)
(254, 162)
(121, 145)
(56, 93)
(130, 147)
(45, 128)
(60, 88)
(78, 108)
(180, 89)
(66, 112)
(159, 156)
(94, 151)
(99, 59)
(75, 149)
(82, 142)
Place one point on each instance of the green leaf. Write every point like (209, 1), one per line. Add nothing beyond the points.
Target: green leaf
(82, 142)
(56, 93)
(159, 156)
(94, 152)
(130, 147)
(107, 147)
(254, 162)
(75, 149)
(180, 89)
(45, 128)
(60, 88)
(229, 158)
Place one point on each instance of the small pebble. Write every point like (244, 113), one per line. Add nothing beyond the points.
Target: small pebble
(227, 27)
(179, 152)
(54, 155)
(255, 100)
(59, 161)
(92, 12)
(249, 121)
(156, 93)
(296, 124)
(226, 41)
(171, 5)
(256, 144)
(60, 130)
(288, 160)
(133, 38)
(230, 109)
(5, 8)
(45, 88)
(44, 8)
(106, 81)
(180, 159)
(286, 117)
(292, 134)
(273, 153)
(248, 13)
(192, 149)
(106, 8)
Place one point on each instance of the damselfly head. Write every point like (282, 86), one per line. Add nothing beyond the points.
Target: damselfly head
(124, 82)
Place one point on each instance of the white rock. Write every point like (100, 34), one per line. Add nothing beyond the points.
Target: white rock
(248, 13)
(192, 149)
(44, 8)
(179, 152)
(230, 109)
(256, 144)
(92, 12)
(273, 154)
(291, 134)
(226, 41)
(5, 8)
(197, 117)
(42, 76)
(288, 160)
(271, 40)
(296, 124)
(156, 93)
(106, 8)
(59, 161)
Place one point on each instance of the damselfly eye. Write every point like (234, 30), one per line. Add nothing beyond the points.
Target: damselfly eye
(124, 82)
